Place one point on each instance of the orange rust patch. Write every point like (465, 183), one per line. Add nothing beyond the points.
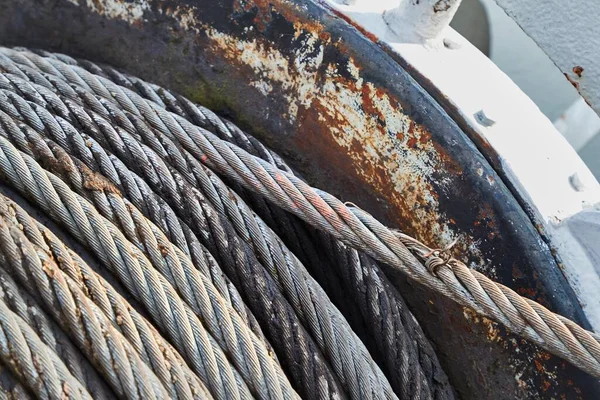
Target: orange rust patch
(516, 272)
(486, 215)
(48, 268)
(414, 208)
(491, 327)
(538, 366)
(412, 142)
(578, 70)
(264, 16)
(367, 102)
(96, 182)
(99, 6)
(574, 83)
(545, 385)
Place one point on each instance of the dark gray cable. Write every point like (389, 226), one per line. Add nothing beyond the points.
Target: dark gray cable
(277, 314)
(393, 330)
(148, 285)
(153, 350)
(88, 327)
(358, 229)
(27, 308)
(360, 373)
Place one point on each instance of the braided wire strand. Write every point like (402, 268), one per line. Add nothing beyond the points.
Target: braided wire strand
(124, 180)
(304, 356)
(88, 327)
(96, 159)
(149, 344)
(358, 229)
(396, 333)
(314, 373)
(360, 373)
(167, 259)
(38, 367)
(23, 305)
(382, 304)
(137, 273)
(304, 244)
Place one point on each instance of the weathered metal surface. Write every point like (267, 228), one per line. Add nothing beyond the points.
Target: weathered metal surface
(344, 113)
(420, 21)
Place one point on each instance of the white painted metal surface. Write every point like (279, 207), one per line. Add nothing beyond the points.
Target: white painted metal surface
(536, 158)
(568, 32)
(526, 64)
(579, 124)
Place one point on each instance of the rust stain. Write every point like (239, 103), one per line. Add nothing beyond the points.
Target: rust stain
(368, 101)
(545, 385)
(574, 83)
(491, 327)
(487, 217)
(48, 269)
(546, 372)
(95, 181)
(516, 272)
(266, 8)
(362, 129)
(99, 6)
(578, 70)
(538, 365)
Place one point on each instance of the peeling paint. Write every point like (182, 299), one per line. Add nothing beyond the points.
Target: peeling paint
(274, 67)
(352, 110)
(131, 11)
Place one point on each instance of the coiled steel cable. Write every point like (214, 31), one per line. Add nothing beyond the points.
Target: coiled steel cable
(43, 372)
(174, 265)
(113, 356)
(150, 346)
(273, 254)
(387, 315)
(125, 181)
(358, 229)
(148, 285)
(396, 335)
(306, 361)
(146, 151)
(26, 307)
(362, 376)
